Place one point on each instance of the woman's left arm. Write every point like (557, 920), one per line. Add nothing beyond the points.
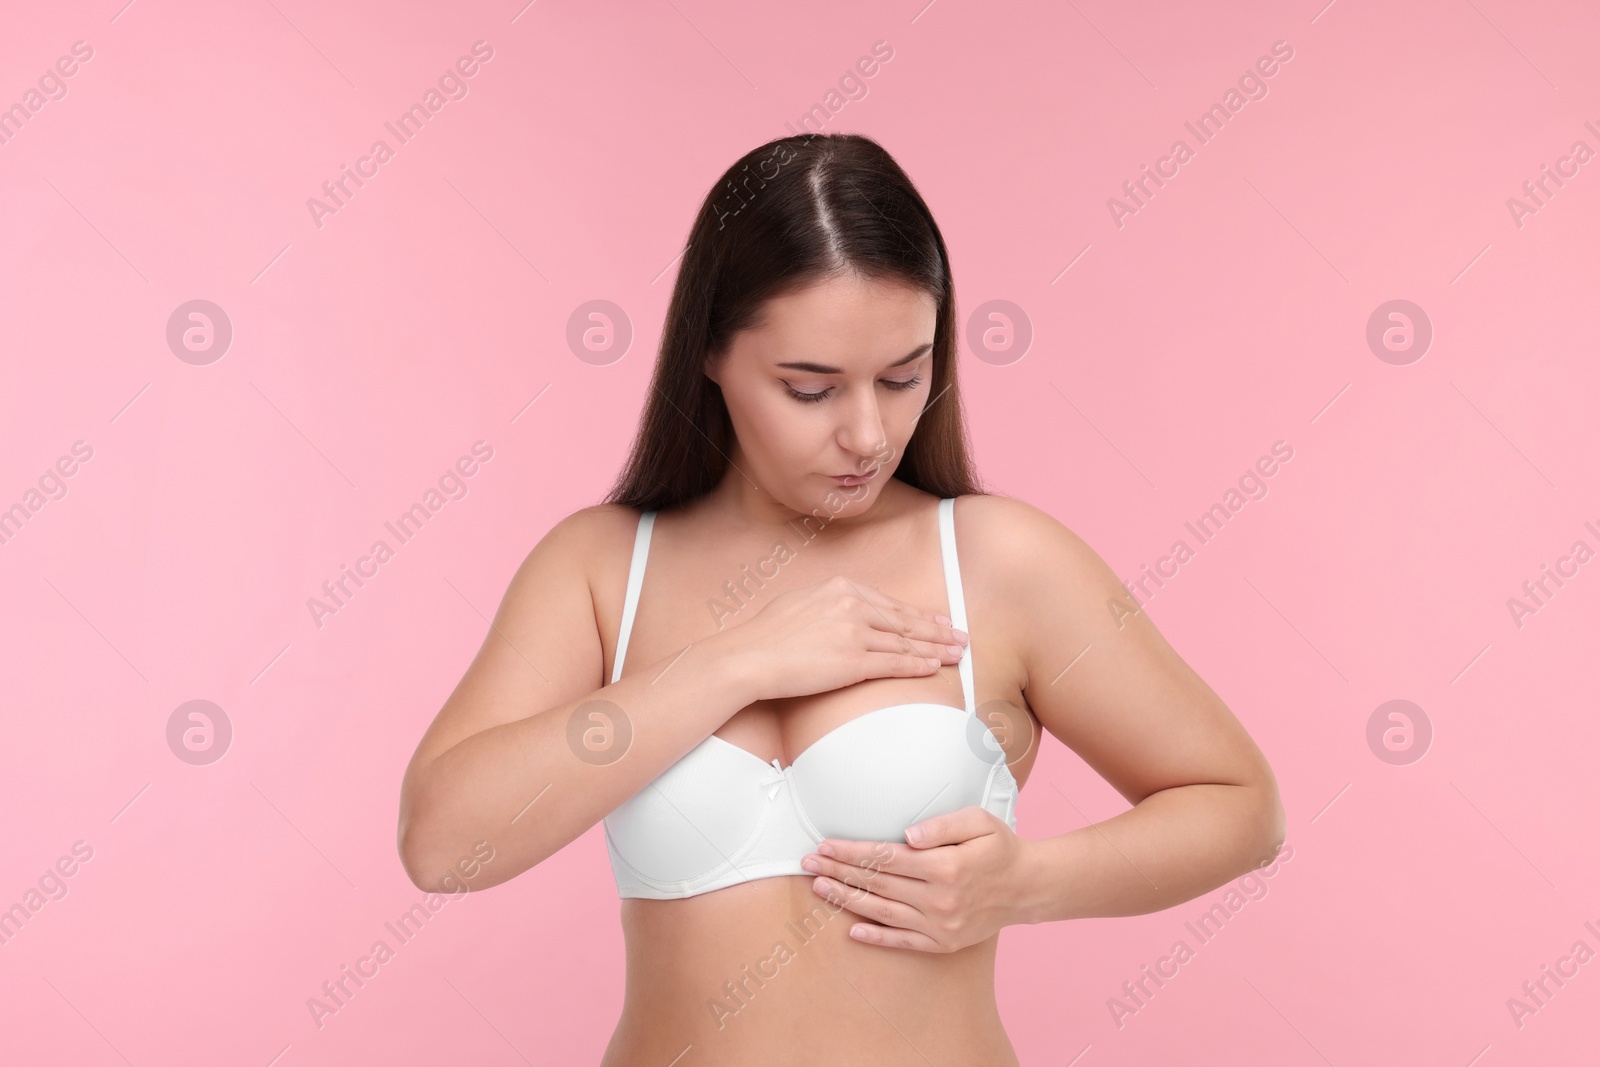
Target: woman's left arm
(1103, 681)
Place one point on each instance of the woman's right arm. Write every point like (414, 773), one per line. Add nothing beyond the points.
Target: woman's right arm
(496, 765)
(506, 762)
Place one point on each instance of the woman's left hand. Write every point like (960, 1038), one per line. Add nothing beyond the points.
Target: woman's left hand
(956, 886)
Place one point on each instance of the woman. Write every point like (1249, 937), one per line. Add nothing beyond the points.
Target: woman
(806, 768)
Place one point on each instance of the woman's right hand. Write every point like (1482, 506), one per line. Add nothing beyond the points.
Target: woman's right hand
(835, 633)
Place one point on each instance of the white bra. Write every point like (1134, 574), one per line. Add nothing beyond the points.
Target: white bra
(721, 815)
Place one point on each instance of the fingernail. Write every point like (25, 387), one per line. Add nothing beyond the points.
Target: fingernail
(942, 620)
(961, 635)
(955, 650)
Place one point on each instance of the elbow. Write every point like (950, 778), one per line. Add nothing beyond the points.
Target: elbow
(414, 858)
(1270, 824)
(413, 839)
(436, 857)
(465, 873)
(430, 872)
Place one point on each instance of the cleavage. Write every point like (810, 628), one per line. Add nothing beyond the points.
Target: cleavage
(785, 729)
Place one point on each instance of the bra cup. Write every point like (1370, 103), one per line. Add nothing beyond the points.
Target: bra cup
(878, 774)
(1000, 800)
(721, 815)
(700, 814)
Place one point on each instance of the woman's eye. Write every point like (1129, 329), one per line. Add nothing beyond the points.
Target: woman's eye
(812, 398)
(808, 397)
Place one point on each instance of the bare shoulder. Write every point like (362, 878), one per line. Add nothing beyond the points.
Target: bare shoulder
(607, 522)
(567, 580)
(985, 511)
(543, 647)
(1010, 538)
(1042, 584)
(586, 545)
(545, 644)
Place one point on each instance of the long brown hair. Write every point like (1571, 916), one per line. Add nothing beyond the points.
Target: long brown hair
(786, 215)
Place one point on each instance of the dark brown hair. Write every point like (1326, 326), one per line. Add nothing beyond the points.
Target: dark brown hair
(790, 214)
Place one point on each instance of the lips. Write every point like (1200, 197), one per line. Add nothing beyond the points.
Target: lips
(855, 479)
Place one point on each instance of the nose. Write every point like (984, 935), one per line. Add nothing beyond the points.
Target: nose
(861, 431)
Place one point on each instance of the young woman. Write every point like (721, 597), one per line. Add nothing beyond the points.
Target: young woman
(830, 655)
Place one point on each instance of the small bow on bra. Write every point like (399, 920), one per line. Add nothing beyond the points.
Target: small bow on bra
(773, 780)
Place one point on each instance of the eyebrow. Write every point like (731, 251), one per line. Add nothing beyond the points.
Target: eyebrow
(823, 368)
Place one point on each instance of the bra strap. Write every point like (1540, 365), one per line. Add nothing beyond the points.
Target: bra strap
(953, 593)
(630, 604)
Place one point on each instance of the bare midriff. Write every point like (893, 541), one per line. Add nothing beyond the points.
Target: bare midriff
(765, 972)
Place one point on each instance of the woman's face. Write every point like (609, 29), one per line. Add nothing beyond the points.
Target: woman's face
(831, 383)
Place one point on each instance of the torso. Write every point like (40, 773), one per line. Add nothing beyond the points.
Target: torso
(827, 998)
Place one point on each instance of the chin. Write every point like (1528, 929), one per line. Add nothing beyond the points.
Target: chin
(847, 500)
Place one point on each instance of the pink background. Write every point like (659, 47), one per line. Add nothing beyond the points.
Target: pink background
(368, 354)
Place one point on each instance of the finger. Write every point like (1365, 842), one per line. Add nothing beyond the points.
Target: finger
(872, 855)
(891, 937)
(898, 665)
(889, 857)
(882, 612)
(932, 634)
(876, 640)
(912, 635)
(909, 891)
(877, 596)
(888, 913)
(952, 829)
(913, 621)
